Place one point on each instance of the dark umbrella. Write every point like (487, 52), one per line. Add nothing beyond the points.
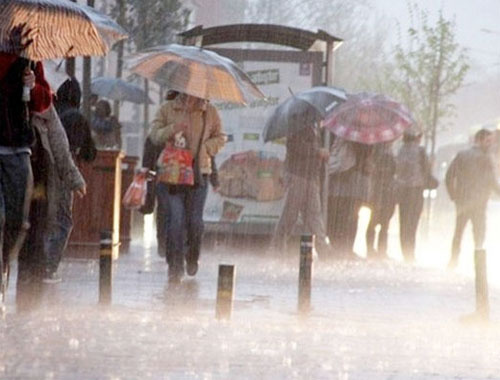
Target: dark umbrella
(301, 110)
(118, 89)
(369, 119)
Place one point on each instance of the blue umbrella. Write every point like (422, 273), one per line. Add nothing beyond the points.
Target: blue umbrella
(118, 89)
(302, 109)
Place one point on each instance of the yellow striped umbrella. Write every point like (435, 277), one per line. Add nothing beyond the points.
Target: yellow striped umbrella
(197, 72)
(58, 28)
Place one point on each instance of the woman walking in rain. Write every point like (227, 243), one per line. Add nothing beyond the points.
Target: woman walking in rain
(412, 171)
(197, 123)
(382, 200)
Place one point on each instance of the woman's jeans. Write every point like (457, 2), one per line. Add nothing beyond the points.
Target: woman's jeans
(16, 183)
(184, 223)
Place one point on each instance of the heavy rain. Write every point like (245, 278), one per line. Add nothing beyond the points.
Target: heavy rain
(246, 189)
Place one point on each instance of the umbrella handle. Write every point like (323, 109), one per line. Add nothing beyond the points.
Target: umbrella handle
(26, 90)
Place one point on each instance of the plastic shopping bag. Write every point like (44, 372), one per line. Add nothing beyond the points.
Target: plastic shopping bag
(135, 196)
(175, 166)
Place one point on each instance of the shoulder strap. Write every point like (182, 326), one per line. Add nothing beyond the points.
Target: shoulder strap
(202, 135)
(425, 169)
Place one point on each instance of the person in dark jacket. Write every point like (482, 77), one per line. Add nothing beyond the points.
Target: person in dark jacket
(470, 179)
(76, 125)
(16, 139)
(303, 163)
(382, 200)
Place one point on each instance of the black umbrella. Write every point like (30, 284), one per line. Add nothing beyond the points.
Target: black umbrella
(302, 109)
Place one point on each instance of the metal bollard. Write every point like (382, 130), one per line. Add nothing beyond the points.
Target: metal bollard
(305, 273)
(225, 287)
(105, 267)
(481, 269)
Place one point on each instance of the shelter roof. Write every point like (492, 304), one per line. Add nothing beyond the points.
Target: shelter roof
(267, 33)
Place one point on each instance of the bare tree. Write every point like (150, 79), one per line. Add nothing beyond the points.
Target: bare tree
(364, 35)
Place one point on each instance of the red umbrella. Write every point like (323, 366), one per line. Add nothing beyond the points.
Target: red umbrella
(369, 119)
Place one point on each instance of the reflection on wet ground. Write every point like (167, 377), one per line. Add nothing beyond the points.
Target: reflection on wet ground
(370, 320)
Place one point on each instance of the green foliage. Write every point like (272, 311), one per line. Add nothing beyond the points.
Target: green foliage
(429, 67)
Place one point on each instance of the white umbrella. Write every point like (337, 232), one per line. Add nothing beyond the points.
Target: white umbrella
(196, 71)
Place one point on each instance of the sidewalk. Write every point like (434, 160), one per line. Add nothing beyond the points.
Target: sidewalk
(370, 320)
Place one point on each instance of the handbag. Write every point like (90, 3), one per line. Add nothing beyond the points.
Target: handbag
(199, 180)
(135, 196)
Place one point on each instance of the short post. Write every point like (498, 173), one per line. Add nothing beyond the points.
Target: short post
(225, 288)
(305, 273)
(481, 269)
(105, 267)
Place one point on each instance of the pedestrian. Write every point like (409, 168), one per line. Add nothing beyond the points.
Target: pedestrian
(412, 173)
(350, 170)
(303, 163)
(470, 179)
(55, 175)
(106, 129)
(81, 147)
(16, 138)
(151, 153)
(196, 122)
(382, 200)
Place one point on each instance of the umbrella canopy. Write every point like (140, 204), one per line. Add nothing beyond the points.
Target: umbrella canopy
(197, 72)
(57, 28)
(301, 110)
(369, 119)
(118, 89)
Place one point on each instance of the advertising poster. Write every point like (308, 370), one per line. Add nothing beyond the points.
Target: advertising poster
(251, 192)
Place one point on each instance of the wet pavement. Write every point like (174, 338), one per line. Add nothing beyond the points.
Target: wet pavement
(370, 320)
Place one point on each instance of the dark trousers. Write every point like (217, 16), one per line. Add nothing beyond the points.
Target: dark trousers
(343, 223)
(57, 240)
(161, 227)
(185, 217)
(477, 215)
(32, 260)
(16, 184)
(381, 215)
(302, 199)
(411, 203)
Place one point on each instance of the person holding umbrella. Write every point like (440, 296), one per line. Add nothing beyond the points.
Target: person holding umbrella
(198, 122)
(16, 138)
(303, 163)
(22, 44)
(349, 184)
